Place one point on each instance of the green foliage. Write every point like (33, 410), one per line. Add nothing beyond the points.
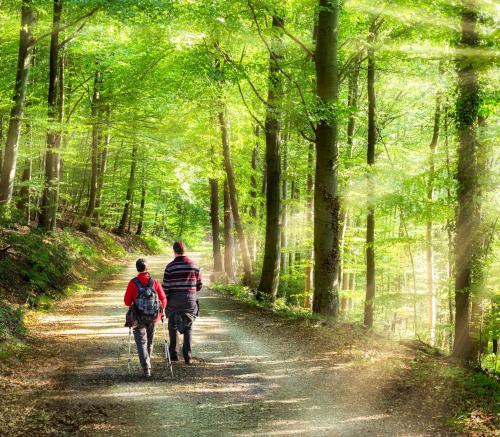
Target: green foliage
(480, 403)
(11, 322)
(280, 307)
(155, 244)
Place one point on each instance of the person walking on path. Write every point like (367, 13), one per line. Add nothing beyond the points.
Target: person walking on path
(140, 294)
(181, 283)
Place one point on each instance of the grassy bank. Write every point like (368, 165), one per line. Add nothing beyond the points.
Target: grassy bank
(36, 269)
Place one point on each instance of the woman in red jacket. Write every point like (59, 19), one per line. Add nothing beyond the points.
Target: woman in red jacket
(144, 331)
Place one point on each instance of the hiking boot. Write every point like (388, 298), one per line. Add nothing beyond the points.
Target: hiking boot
(176, 358)
(146, 373)
(189, 362)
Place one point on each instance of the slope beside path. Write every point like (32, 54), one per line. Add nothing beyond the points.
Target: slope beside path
(254, 374)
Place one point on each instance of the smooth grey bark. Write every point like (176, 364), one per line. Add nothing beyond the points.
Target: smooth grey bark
(103, 163)
(130, 192)
(284, 211)
(8, 171)
(370, 219)
(468, 212)
(229, 257)
(253, 192)
(429, 252)
(269, 279)
(96, 134)
(53, 139)
(2, 139)
(140, 225)
(309, 270)
(231, 181)
(326, 198)
(352, 103)
(214, 218)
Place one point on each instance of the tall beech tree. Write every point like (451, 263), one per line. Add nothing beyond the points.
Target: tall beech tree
(352, 103)
(214, 217)
(102, 162)
(17, 110)
(428, 229)
(229, 266)
(269, 279)
(233, 197)
(53, 134)
(128, 205)
(96, 137)
(370, 159)
(469, 203)
(326, 196)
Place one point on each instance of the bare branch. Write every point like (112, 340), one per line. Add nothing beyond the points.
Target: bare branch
(302, 133)
(229, 60)
(248, 109)
(310, 54)
(73, 35)
(68, 118)
(83, 17)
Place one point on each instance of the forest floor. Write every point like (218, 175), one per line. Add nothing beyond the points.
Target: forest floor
(254, 374)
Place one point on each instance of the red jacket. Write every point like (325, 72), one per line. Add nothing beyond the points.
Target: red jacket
(131, 293)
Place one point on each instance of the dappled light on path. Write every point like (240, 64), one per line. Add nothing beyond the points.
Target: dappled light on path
(249, 377)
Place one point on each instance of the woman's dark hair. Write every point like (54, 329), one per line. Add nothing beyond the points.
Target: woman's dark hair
(179, 247)
(140, 264)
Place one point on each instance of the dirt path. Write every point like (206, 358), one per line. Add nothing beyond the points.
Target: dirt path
(254, 375)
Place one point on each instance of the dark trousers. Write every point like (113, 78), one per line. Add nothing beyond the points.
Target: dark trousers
(172, 333)
(144, 335)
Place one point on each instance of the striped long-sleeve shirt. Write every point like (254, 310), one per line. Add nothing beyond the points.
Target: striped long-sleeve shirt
(181, 283)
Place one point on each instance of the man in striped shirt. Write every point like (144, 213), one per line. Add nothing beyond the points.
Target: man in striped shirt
(181, 283)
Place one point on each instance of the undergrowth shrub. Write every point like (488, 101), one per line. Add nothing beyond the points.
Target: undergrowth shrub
(11, 322)
(154, 244)
(110, 245)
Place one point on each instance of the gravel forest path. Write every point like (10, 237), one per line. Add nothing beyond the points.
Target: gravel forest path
(254, 375)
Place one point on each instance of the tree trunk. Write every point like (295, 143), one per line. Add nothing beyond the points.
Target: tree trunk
(326, 199)
(228, 236)
(228, 165)
(8, 172)
(1, 144)
(269, 279)
(308, 279)
(295, 195)
(58, 168)
(130, 192)
(96, 127)
(352, 103)
(284, 211)
(449, 234)
(253, 192)
(51, 163)
(214, 216)
(370, 219)
(131, 215)
(103, 162)
(431, 292)
(140, 226)
(23, 203)
(468, 213)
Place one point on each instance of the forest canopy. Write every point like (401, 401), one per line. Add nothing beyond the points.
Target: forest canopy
(340, 156)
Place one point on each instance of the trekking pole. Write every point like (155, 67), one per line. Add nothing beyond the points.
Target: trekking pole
(129, 346)
(165, 347)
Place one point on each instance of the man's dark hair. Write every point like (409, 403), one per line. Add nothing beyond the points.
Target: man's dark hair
(179, 247)
(140, 264)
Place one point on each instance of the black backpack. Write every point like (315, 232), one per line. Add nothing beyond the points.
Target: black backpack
(147, 305)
